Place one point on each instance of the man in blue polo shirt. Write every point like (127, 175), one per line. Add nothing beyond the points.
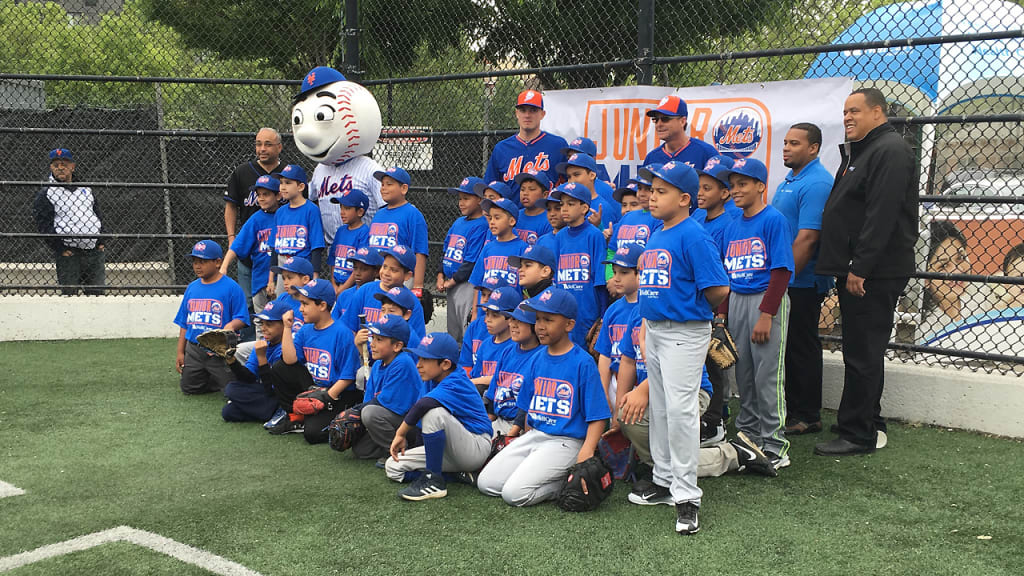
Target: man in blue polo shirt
(672, 128)
(801, 198)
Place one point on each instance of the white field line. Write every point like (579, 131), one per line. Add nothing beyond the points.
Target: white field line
(9, 490)
(155, 542)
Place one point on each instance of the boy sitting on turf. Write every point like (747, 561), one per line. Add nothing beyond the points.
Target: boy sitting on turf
(561, 404)
(532, 222)
(211, 302)
(311, 365)
(462, 246)
(456, 432)
(249, 398)
(536, 269)
(392, 388)
(624, 283)
(510, 372)
(365, 264)
(476, 332)
(254, 243)
(294, 271)
(493, 261)
(300, 230)
(352, 235)
(400, 223)
(491, 349)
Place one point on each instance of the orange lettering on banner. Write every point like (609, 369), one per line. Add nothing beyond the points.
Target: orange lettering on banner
(640, 132)
(602, 144)
(699, 120)
(621, 144)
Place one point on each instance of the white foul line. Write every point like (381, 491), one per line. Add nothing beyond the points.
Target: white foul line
(155, 542)
(9, 490)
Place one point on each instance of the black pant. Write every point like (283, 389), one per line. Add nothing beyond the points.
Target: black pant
(713, 415)
(867, 324)
(290, 380)
(803, 356)
(81, 267)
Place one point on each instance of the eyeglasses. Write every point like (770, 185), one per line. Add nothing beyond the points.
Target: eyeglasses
(659, 118)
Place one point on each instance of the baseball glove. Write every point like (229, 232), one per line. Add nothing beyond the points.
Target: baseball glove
(588, 484)
(312, 401)
(221, 342)
(592, 335)
(498, 444)
(722, 350)
(346, 429)
(427, 302)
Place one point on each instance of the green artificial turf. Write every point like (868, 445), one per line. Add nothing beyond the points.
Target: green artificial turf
(98, 435)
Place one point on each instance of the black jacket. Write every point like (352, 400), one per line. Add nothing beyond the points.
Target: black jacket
(869, 226)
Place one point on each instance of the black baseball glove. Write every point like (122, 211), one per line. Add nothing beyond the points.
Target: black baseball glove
(588, 484)
(312, 401)
(221, 342)
(346, 429)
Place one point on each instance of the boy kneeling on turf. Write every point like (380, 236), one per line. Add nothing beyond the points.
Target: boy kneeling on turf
(561, 404)
(456, 432)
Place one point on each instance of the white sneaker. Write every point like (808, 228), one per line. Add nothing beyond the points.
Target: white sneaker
(881, 440)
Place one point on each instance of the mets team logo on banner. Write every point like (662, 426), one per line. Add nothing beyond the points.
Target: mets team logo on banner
(738, 132)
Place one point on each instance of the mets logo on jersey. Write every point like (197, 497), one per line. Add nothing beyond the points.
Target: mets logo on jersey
(318, 363)
(655, 269)
(573, 269)
(552, 397)
(205, 312)
(455, 249)
(632, 234)
(329, 188)
(383, 234)
(290, 237)
(738, 132)
(746, 255)
(540, 163)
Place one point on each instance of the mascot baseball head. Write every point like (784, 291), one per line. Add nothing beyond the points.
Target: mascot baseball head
(334, 120)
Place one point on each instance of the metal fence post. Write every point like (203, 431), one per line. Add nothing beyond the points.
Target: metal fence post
(165, 178)
(645, 41)
(351, 34)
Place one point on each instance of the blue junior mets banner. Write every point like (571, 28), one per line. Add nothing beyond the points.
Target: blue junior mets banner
(739, 120)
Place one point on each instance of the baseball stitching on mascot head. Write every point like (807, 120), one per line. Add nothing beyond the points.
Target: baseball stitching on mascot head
(334, 120)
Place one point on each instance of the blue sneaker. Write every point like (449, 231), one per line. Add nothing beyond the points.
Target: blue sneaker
(275, 419)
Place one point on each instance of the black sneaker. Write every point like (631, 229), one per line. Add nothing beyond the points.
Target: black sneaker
(466, 478)
(751, 458)
(642, 485)
(425, 487)
(287, 426)
(686, 518)
(778, 461)
(651, 496)
(711, 434)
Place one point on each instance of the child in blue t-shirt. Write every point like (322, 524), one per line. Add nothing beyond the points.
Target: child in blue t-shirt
(395, 269)
(211, 302)
(365, 264)
(532, 222)
(293, 271)
(511, 369)
(562, 403)
(637, 226)
(491, 349)
(456, 432)
(249, 397)
(681, 280)
(553, 206)
(493, 261)
(581, 169)
(399, 223)
(254, 243)
(300, 230)
(352, 235)
(581, 248)
(758, 257)
(610, 339)
(462, 246)
(476, 332)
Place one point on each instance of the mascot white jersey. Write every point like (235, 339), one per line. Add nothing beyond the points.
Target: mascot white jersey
(336, 123)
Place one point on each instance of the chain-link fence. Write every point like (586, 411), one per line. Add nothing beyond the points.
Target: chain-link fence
(159, 101)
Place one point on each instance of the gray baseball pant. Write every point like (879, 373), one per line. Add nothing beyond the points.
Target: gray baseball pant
(760, 373)
(381, 425)
(203, 372)
(460, 304)
(639, 434)
(501, 425)
(463, 450)
(531, 469)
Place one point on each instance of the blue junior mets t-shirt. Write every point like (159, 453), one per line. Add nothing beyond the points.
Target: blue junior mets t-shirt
(493, 262)
(530, 228)
(563, 394)
(514, 155)
(343, 301)
(696, 154)
(322, 350)
(403, 225)
(460, 397)
(678, 265)
(206, 307)
(476, 333)
(631, 345)
(613, 331)
(715, 227)
(252, 364)
(801, 199)
(463, 244)
(299, 230)
(580, 251)
(255, 242)
(635, 227)
(487, 356)
(395, 385)
(509, 375)
(346, 242)
(755, 246)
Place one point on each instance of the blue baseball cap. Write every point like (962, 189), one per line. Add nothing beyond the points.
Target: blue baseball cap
(538, 177)
(498, 186)
(503, 299)
(437, 346)
(293, 172)
(296, 264)
(320, 76)
(720, 172)
(522, 314)
(396, 172)
(399, 295)
(552, 198)
(352, 197)
(272, 312)
(621, 191)
(750, 167)
(503, 204)
(367, 256)
(391, 326)
(640, 178)
(61, 154)
(580, 144)
(573, 190)
(318, 289)
(401, 253)
(467, 186)
(670, 105)
(268, 182)
(580, 160)
(492, 283)
(554, 300)
(207, 250)
(626, 255)
(536, 253)
(678, 174)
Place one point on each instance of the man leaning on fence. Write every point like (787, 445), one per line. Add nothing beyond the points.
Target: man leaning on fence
(64, 208)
